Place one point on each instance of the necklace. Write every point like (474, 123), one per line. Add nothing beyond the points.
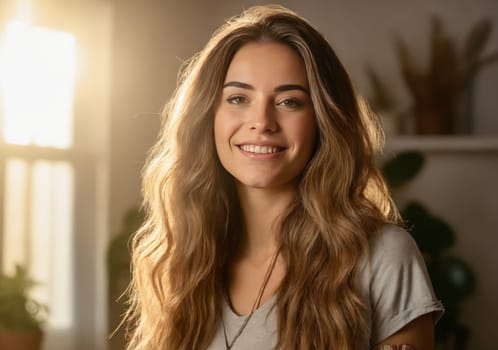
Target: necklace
(256, 304)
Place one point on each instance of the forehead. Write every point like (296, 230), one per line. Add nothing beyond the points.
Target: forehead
(267, 62)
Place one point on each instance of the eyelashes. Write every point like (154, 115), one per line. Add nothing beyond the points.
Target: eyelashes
(237, 100)
(290, 102)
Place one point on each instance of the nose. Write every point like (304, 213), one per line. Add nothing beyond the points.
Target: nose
(263, 119)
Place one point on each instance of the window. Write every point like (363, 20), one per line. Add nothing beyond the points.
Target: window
(38, 82)
(54, 79)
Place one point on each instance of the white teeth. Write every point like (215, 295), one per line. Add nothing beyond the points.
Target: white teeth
(259, 149)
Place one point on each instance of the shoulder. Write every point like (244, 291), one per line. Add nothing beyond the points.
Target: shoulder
(392, 237)
(393, 260)
(392, 244)
(395, 282)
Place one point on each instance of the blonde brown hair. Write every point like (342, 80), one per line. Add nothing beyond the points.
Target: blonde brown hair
(181, 252)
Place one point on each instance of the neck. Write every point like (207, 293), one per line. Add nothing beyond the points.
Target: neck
(261, 208)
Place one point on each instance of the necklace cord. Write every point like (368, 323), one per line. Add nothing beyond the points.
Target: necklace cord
(255, 305)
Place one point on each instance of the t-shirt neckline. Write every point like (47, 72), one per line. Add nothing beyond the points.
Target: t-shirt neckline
(263, 307)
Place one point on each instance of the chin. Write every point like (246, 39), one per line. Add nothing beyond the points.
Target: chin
(263, 184)
(255, 184)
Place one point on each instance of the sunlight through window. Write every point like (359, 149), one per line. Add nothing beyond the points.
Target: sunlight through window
(41, 194)
(37, 78)
(37, 83)
(51, 237)
(15, 212)
(55, 95)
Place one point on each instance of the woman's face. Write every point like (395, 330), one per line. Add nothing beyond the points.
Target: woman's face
(264, 123)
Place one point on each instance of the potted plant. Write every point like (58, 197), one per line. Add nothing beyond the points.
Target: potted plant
(448, 80)
(442, 93)
(21, 317)
(451, 276)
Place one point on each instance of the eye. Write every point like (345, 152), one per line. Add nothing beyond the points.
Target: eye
(236, 100)
(290, 102)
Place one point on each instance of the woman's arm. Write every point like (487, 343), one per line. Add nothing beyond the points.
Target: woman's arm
(419, 333)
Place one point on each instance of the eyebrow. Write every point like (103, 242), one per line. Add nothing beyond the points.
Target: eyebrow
(280, 88)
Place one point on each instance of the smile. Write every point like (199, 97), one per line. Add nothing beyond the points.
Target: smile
(259, 149)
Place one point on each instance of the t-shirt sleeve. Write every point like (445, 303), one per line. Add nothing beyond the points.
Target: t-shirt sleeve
(400, 288)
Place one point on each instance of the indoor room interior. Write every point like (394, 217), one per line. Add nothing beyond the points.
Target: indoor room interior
(82, 86)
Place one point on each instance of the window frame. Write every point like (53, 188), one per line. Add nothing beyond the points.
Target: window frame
(91, 22)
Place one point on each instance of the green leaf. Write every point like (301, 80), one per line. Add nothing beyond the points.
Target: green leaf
(432, 234)
(17, 310)
(403, 167)
(453, 279)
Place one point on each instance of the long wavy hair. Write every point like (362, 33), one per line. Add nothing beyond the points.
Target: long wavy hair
(180, 254)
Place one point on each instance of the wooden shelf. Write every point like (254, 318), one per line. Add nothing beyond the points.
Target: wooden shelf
(454, 143)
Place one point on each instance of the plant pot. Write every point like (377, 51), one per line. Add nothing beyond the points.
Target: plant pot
(433, 121)
(20, 340)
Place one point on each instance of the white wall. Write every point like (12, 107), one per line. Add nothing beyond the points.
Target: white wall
(152, 37)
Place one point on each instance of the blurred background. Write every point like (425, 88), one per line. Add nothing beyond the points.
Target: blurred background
(82, 83)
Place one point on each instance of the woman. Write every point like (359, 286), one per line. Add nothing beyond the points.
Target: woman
(268, 224)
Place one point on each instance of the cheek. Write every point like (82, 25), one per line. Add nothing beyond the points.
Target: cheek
(306, 132)
(222, 130)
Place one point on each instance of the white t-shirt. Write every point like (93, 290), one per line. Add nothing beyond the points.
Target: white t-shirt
(394, 284)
